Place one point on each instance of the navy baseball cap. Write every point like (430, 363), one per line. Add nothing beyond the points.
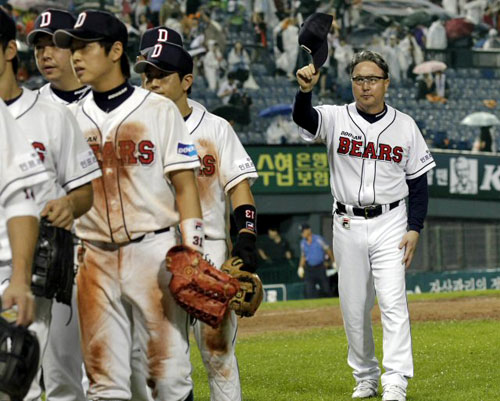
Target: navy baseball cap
(92, 26)
(166, 57)
(7, 26)
(50, 21)
(313, 37)
(160, 34)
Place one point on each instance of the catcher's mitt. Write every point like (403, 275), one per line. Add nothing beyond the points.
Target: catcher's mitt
(53, 263)
(19, 357)
(248, 299)
(198, 287)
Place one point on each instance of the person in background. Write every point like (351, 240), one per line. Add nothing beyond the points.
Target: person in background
(274, 248)
(312, 269)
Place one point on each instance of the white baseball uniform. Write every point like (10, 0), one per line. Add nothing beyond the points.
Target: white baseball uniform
(63, 361)
(126, 235)
(369, 165)
(224, 164)
(70, 163)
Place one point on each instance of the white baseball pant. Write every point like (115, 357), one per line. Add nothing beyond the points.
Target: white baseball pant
(370, 263)
(112, 279)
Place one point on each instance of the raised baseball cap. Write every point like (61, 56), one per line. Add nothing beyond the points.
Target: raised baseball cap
(92, 26)
(166, 57)
(313, 37)
(7, 26)
(159, 34)
(50, 21)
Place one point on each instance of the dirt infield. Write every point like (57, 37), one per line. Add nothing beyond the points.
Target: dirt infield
(300, 319)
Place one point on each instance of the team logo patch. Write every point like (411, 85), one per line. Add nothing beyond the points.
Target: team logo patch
(186, 150)
(250, 226)
(198, 226)
(346, 223)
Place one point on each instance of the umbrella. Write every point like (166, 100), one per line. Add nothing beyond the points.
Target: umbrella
(417, 18)
(428, 67)
(480, 119)
(362, 36)
(276, 110)
(457, 28)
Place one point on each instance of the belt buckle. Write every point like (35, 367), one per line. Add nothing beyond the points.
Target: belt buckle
(369, 211)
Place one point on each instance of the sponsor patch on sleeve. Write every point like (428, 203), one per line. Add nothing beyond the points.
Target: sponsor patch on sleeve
(27, 161)
(86, 159)
(186, 149)
(244, 164)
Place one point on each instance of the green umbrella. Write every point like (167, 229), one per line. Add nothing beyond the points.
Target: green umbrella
(417, 18)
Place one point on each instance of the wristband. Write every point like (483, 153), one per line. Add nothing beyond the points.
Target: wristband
(193, 233)
(245, 217)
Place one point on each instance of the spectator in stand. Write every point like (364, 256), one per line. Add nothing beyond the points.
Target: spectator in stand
(436, 36)
(425, 86)
(441, 85)
(394, 58)
(213, 63)
(141, 7)
(174, 21)
(168, 8)
(286, 48)
(485, 141)
(412, 54)
(474, 10)
(451, 6)
(239, 62)
(343, 55)
(213, 30)
(227, 88)
(492, 42)
(274, 248)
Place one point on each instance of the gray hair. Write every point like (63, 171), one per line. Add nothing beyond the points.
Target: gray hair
(368, 55)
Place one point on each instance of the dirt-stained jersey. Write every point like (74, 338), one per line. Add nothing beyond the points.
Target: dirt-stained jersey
(224, 163)
(137, 145)
(20, 168)
(59, 142)
(370, 163)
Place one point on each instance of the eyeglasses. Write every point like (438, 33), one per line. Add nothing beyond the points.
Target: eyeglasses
(370, 80)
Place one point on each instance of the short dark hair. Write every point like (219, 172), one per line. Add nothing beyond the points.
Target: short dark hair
(368, 55)
(124, 63)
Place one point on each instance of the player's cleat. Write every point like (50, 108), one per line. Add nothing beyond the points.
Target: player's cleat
(393, 392)
(365, 389)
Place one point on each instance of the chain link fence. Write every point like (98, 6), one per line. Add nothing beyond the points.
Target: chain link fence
(458, 246)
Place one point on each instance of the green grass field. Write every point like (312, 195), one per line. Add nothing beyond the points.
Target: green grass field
(454, 360)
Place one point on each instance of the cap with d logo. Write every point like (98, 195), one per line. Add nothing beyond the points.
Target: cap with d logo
(313, 37)
(92, 26)
(7, 26)
(159, 35)
(50, 21)
(166, 57)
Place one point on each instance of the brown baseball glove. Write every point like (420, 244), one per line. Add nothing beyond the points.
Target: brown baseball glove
(246, 302)
(198, 287)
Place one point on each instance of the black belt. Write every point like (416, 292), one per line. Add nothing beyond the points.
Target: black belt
(161, 230)
(368, 212)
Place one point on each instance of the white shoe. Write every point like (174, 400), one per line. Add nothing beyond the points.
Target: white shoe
(393, 392)
(365, 389)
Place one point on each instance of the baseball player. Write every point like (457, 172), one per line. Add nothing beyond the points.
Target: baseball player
(53, 63)
(148, 186)
(226, 172)
(63, 362)
(20, 170)
(377, 157)
(67, 157)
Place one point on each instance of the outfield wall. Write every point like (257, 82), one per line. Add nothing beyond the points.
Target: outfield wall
(418, 282)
